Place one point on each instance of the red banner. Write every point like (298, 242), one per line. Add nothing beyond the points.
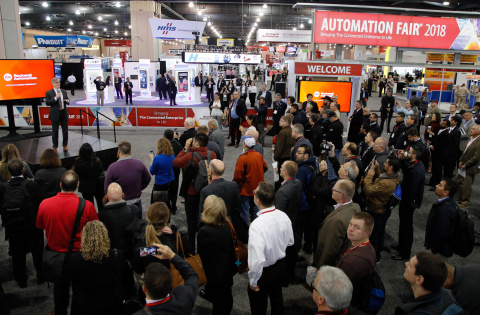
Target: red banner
(160, 117)
(327, 69)
(118, 43)
(393, 30)
(73, 116)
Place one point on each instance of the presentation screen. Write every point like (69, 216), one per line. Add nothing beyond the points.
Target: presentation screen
(20, 79)
(343, 90)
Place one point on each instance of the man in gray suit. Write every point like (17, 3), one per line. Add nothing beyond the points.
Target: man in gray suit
(57, 99)
(468, 123)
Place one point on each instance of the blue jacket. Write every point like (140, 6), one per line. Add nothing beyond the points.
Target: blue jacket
(304, 174)
(413, 184)
(162, 168)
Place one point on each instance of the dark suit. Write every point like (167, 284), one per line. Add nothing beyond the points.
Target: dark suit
(363, 96)
(220, 84)
(451, 152)
(279, 109)
(375, 127)
(241, 111)
(439, 143)
(268, 97)
(162, 87)
(172, 91)
(355, 124)
(470, 158)
(199, 82)
(58, 116)
(187, 134)
(128, 86)
(228, 191)
(118, 87)
(314, 104)
(209, 83)
(288, 198)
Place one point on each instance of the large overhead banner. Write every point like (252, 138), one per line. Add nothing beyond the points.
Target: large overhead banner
(64, 41)
(193, 57)
(162, 28)
(284, 36)
(396, 30)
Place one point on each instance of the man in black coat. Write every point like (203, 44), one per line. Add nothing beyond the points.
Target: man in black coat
(412, 196)
(237, 115)
(310, 101)
(288, 199)
(266, 94)
(299, 116)
(356, 120)
(118, 86)
(452, 151)
(228, 191)
(386, 109)
(220, 83)
(316, 134)
(397, 130)
(374, 124)
(279, 108)
(363, 95)
(198, 81)
(261, 118)
(414, 141)
(335, 132)
(57, 99)
(162, 87)
(209, 84)
(189, 132)
(402, 141)
(172, 92)
(438, 150)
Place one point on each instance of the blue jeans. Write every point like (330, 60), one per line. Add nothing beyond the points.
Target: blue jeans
(249, 209)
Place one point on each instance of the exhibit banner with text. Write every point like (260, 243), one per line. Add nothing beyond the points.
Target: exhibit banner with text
(396, 30)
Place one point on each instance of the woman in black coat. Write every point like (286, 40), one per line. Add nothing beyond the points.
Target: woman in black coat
(215, 246)
(50, 173)
(89, 170)
(355, 123)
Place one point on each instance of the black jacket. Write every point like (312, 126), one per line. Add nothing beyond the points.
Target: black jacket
(316, 137)
(402, 141)
(355, 124)
(440, 226)
(453, 145)
(172, 88)
(187, 134)
(396, 133)
(182, 298)
(228, 191)
(413, 183)
(49, 180)
(376, 128)
(419, 145)
(334, 134)
(209, 81)
(220, 84)
(289, 198)
(198, 81)
(280, 107)
(88, 175)
(54, 113)
(314, 104)
(261, 113)
(126, 86)
(299, 117)
(241, 109)
(387, 102)
(440, 143)
(433, 303)
(268, 98)
(215, 246)
(367, 157)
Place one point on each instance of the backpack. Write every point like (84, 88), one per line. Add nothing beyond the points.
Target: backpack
(374, 296)
(463, 239)
(394, 199)
(17, 210)
(202, 179)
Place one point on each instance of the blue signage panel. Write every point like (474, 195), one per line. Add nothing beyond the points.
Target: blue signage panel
(64, 41)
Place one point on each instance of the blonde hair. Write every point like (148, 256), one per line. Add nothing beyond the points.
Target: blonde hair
(164, 147)
(157, 217)
(9, 152)
(214, 211)
(95, 242)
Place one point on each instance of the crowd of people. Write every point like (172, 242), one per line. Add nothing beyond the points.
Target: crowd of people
(331, 198)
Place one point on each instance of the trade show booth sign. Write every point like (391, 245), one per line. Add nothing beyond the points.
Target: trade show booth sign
(180, 29)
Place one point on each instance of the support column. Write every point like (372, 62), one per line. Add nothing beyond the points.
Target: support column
(11, 46)
(338, 52)
(144, 46)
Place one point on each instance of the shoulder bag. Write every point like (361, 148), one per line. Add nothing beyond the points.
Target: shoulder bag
(193, 260)
(241, 250)
(55, 264)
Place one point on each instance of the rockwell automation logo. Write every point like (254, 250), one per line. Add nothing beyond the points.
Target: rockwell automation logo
(7, 77)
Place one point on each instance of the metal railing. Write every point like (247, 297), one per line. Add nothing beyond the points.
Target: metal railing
(98, 125)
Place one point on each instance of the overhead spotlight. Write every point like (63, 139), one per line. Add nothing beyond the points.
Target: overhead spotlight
(209, 23)
(69, 29)
(258, 19)
(83, 32)
(129, 26)
(96, 34)
(100, 18)
(309, 21)
(125, 33)
(205, 18)
(221, 36)
(255, 24)
(90, 26)
(116, 22)
(77, 12)
(116, 32)
(48, 18)
(265, 6)
(261, 13)
(446, 3)
(27, 23)
(71, 22)
(294, 28)
(117, 4)
(44, 4)
(199, 12)
(302, 25)
(19, 12)
(105, 29)
(190, 4)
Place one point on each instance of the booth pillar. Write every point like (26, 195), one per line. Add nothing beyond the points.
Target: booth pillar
(144, 45)
(11, 46)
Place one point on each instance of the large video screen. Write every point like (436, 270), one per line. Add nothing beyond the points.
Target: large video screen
(20, 79)
(343, 91)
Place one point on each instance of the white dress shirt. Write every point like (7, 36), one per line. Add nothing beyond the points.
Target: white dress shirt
(269, 236)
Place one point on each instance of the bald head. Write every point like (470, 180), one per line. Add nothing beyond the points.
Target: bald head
(114, 192)
(252, 133)
(217, 168)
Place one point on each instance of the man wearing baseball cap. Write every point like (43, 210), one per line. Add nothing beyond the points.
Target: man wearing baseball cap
(433, 109)
(249, 172)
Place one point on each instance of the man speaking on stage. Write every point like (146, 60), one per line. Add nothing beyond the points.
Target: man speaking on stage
(57, 99)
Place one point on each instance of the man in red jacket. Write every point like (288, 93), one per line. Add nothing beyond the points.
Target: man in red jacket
(248, 173)
(192, 197)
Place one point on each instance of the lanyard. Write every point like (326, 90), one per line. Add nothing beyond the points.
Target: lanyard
(168, 298)
(268, 211)
(300, 138)
(361, 245)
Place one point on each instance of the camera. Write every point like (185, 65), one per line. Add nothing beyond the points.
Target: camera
(325, 146)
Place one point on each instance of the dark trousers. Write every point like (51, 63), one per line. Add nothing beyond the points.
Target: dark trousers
(127, 95)
(235, 128)
(210, 94)
(72, 88)
(383, 116)
(369, 90)
(21, 243)
(64, 124)
(251, 97)
(280, 178)
(221, 298)
(272, 85)
(437, 164)
(119, 91)
(270, 284)
(380, 90)
(170, 192)
(191, 210)
(172, 99)
(163, 92)
(174, 187)
(305, 228)
(377, 238)
(449, 164)
(405, 231)
(61, 295)
(98, 195)
(291, 255)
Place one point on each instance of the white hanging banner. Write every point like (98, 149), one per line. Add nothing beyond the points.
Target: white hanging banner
(180, 29)
(284, 36)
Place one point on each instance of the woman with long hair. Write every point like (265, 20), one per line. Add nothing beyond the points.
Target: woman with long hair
(252, 93)
(215, 246)
(10, 152)
(252, 121)
(89, 170)
(96, 273)
(162, 168)
(50, 173)
(216, 109)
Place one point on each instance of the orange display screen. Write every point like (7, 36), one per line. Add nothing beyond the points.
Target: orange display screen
(21, 79)
(343, 91)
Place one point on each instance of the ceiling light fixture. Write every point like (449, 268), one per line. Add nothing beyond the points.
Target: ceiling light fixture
(258, 19)
(27, 23)
(96, 34)
(209, 23)
(125, 33)
(261, 13)
(100, 18)
(117, 4)
(205, 18)
(116, 32)
(255, 24)
(83, 32)
(44, 4)
(190, 4)
(309, 21)
(69, 29)
(446, 3)
(116, 22)
(265, 6)
(48, 18)
(77, 12)
(302, 25)
(294, 28)
(90, 26)
(129, 26)
(199, 12)
(105, 29)
(71, 22)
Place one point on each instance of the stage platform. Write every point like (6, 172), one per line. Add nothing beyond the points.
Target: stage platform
(31, 149)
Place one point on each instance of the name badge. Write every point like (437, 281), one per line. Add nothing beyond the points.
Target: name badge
(275, 112)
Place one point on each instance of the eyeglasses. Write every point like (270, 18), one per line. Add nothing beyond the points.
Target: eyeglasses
(312, 285)
(300, 152)
(338, 191)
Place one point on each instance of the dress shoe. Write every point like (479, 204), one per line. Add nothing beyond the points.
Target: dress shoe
(237, 145)
(65, 149)
(230, 144)
(399, 257)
